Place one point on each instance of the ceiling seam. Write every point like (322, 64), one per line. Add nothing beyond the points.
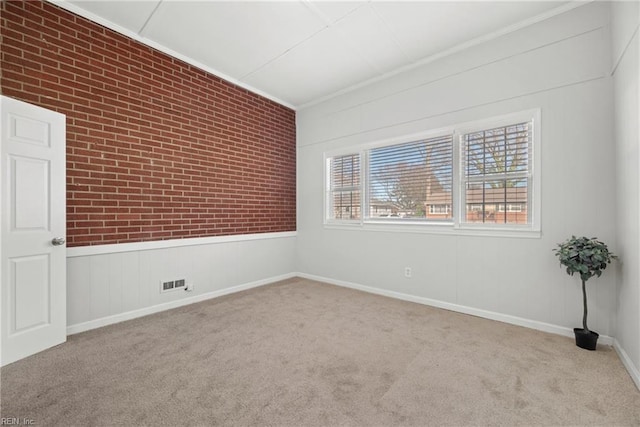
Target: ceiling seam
(317, 12)
(325, 21)
(309, 4)
(453, 50)
(469, 69)
(349, 40)
(391, 34)
(289, 49)
(146, 22)
(327, 24)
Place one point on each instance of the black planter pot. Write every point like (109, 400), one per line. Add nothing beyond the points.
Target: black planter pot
(586, 340)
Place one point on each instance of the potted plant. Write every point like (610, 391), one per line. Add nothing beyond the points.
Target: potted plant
(587, 257)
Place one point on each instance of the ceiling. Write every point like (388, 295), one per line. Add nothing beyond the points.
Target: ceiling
(301, 52)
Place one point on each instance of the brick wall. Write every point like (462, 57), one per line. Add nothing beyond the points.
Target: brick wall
(156, 148)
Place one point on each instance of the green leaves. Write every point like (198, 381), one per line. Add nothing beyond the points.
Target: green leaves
(585, 256)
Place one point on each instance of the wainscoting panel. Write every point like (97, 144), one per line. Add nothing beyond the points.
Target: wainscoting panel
(124, 281)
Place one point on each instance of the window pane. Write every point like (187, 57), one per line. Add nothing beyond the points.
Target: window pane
(345, 171)
(496, 181)
(346, 205)
(412, 180)
(497, 151)
(344, 177)
(497, 201)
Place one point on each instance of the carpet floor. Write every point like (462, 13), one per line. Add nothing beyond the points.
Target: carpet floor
(303, 353)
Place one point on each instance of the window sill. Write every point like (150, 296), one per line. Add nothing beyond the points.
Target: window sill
(435, 228)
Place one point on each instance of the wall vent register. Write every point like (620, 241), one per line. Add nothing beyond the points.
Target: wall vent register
(173, 285)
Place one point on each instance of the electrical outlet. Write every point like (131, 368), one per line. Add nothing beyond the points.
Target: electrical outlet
(407, 272)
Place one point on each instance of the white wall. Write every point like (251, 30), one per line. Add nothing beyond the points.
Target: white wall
(111, 283)
(561, 66)
(626, 69)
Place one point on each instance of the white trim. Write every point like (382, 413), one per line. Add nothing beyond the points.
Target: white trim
(499, 120)
(117, 318)
(626, 361)
(73, 8)
(395, 140)
(448, 52)
(174, 243)
(506, 318)
(514, 320)
(617, 61)
(329, 191)
(433, 227)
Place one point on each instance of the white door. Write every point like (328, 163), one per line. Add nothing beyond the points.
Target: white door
(33, 223)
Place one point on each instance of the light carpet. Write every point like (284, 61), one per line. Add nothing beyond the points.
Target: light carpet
(303, 353)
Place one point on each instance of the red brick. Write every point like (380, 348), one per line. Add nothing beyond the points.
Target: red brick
(156, 148)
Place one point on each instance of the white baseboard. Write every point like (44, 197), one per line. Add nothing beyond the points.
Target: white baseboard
(626, 361)
(514, 320)
(121, 317)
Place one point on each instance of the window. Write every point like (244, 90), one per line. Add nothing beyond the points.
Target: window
(478, 175)
(409, 180)
(439, 209)
(511, 207)
(344, 187)
(496, 174)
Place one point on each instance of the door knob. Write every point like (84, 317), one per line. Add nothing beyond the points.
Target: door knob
(57, 241)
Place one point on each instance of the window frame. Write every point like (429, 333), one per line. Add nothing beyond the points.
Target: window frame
(532, 174)
(453, 225)
(329, 190)
(366, 152)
